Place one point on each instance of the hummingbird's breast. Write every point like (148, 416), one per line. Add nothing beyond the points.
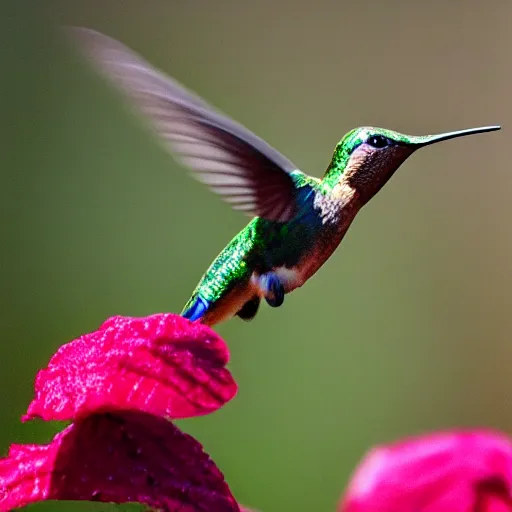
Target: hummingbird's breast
(320, 251)
(312, 237)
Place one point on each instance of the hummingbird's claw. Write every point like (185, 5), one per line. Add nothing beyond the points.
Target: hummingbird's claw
(272, 288)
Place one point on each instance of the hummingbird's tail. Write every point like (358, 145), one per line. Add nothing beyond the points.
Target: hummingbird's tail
(196, 309)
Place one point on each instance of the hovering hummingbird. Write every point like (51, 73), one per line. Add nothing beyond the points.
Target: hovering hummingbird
(298, 220)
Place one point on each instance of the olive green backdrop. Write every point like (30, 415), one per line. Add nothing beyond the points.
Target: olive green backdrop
(405, 329)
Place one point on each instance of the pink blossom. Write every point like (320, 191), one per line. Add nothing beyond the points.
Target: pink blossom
(117, 457)
(118, 385)
(443, 472)
(162, 364)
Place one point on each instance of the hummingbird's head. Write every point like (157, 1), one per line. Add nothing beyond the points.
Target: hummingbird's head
(367, 157)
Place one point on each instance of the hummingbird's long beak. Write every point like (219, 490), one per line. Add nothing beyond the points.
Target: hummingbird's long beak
(426, 140)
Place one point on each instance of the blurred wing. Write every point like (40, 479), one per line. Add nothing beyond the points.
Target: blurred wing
(232, 161)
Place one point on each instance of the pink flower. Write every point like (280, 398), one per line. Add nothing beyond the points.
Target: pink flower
(443, 472)
(126, 456)
(161, 364)
(118, 385)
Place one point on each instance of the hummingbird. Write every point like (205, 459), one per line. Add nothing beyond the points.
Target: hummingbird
(297, 220)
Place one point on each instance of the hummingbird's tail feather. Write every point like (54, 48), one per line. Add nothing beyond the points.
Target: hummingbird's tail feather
(197, 309)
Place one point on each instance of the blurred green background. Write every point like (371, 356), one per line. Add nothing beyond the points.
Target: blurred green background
(406, 329)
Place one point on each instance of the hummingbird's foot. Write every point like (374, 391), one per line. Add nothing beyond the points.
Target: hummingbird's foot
(249, 309)
(272, 288)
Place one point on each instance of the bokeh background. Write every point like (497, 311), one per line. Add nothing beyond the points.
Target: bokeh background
(406, 329)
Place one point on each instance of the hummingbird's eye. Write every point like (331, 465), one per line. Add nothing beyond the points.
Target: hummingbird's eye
(378, 141)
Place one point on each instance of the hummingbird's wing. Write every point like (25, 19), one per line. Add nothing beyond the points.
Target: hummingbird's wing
(235, 163)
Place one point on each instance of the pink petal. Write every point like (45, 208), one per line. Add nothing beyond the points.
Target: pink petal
(162, 364)
(445, 472)
(117, 457)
